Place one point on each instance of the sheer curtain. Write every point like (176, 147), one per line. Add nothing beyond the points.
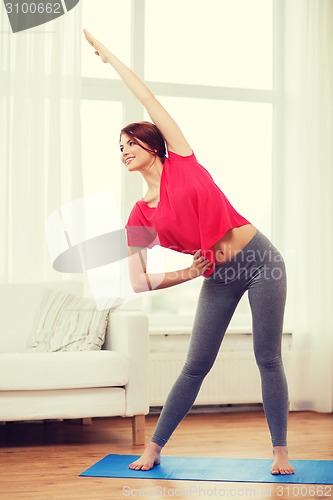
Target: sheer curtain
(40, 139)
(308, 203)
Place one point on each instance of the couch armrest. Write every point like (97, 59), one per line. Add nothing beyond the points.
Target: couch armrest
(128, 334)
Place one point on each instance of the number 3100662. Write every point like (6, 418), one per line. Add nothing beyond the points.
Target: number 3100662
(34, 8)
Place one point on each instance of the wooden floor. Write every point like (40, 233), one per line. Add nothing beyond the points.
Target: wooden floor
(42, 461)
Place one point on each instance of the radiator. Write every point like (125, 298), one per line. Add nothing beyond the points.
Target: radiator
(234, 378)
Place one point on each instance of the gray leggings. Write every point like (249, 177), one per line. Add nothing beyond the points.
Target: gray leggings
(259, 269)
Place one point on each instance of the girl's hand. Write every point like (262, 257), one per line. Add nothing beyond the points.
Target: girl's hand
(101, 51)
(199, 265)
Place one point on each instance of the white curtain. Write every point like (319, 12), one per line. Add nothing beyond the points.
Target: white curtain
(308, 203)
(40, 139)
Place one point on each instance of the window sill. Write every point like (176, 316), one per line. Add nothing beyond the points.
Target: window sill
(182, 325)
(183, 330)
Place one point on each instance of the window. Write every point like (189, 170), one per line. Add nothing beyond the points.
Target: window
(109, 21)
(211, 65)
(217, 42)
(100, 149)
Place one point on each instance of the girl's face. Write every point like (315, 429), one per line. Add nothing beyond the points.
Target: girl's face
(133, 156)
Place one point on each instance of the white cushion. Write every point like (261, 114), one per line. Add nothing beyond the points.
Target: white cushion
(66, 322)
(18, 305)
(63, 370)
(69, 403)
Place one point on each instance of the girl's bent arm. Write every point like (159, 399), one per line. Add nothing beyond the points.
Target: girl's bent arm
(142, 281)
(173, 135)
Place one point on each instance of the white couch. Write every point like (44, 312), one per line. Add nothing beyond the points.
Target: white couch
(69, 385)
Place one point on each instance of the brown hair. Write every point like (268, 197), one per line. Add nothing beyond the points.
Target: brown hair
(148, 134)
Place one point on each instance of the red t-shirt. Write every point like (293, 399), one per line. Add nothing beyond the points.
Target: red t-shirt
(192, 213)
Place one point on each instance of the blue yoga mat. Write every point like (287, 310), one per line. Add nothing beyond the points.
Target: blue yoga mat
(246, 470)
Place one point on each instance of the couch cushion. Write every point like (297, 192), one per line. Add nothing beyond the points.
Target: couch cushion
(18, 305)
(66, 322)
(62, 370)
(65, 403)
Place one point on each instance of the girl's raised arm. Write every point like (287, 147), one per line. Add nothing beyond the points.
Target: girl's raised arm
(173, 135)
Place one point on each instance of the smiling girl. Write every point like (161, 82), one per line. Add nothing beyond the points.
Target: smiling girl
(185, 210)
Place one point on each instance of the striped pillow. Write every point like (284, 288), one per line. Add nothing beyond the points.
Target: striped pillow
(66, 322)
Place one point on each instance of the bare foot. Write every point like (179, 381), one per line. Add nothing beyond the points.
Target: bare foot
(149, 458)
(281, 463)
